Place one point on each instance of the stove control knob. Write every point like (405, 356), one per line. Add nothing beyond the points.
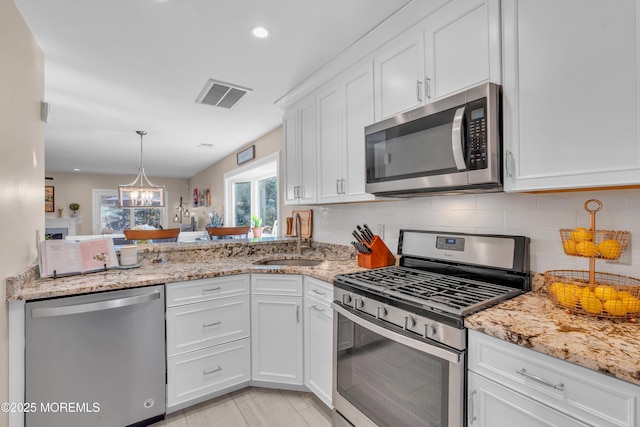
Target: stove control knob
(380, 312)
(346, 299)
(430, 330)
(358, 303)
(409, 322)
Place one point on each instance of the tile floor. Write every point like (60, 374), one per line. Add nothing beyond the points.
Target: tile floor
(254, 407)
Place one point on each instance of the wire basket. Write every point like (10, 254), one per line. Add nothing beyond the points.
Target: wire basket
(610, 296)
(605, 244)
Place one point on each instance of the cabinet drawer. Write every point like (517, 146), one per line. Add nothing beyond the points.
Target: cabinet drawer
(195, 326)
(180, 293)
(276, 284)
(203, 372)
(318, 290)
(585, 394)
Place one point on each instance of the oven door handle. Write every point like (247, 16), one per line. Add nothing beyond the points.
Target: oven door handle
(457, 139)
(450, 356)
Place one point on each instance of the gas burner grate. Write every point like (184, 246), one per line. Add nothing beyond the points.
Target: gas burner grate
(447, 293)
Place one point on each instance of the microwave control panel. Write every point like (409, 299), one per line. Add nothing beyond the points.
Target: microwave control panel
(477, 134)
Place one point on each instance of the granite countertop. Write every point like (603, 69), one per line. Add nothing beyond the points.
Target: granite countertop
(167, 262)
(532, 320)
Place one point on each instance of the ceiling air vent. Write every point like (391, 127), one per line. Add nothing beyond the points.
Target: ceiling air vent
(221, 94)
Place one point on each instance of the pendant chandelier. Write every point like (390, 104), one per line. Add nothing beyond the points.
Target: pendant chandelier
(181, 211)
(141, 193)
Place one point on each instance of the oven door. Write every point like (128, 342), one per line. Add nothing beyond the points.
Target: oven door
(384, 378)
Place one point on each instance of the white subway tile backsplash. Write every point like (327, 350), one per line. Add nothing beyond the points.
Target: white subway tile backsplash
(538, 216)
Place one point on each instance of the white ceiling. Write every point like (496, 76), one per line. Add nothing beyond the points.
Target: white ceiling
(116, 66)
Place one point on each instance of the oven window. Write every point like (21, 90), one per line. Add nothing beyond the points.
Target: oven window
(392, 384)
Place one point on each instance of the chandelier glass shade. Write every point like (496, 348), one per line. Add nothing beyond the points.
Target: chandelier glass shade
(141, 193)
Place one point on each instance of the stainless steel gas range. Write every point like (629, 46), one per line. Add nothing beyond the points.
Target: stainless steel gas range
(399, 336)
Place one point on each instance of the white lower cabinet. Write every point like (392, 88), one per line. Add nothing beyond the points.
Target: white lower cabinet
(318, 338)
(276, 329)
(208, 339)
(510, 385)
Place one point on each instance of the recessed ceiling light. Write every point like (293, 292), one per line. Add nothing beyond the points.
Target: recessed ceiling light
(76, 170)
(260, 31)
(205, 145)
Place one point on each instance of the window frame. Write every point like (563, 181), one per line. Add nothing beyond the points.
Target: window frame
(259, 169)
(96, 195)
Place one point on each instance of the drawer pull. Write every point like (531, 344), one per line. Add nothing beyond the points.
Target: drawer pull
(317, 292)
(541, 380)
(217, 288)
(471, 408)
(209, 325)
(218, 369)
(317, 309)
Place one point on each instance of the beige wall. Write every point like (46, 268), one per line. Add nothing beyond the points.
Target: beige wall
(77, 188)
(270, 143)
(21, 158)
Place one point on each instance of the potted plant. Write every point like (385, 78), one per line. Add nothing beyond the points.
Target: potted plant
(256, 223)
(74, 207)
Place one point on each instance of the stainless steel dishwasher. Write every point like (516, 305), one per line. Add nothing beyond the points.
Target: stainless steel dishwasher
(96, 360)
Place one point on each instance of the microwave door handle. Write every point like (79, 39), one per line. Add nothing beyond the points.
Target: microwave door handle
(457, 139)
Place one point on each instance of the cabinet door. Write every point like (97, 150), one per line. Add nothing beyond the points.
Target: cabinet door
(462, 47)
(358, 113)
(492, 405)
(307, 147)
(571, 94)
(330, 147)
(291, 156)
(276, 339)
(398, 73)
(318, 349)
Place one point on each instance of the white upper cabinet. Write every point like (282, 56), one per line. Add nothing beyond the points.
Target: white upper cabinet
(399, 74)
(462, 48)
(571, 94)
(344, 107)
(456, 47)
(299, 153)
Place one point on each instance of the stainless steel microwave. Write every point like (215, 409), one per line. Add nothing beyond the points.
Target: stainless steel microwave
(450, 145)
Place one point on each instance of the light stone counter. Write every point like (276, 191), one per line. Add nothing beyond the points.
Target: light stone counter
(174, 262)
(531, 320)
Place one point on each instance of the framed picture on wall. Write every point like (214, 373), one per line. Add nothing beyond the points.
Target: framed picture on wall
(246, 155)
(49, 199)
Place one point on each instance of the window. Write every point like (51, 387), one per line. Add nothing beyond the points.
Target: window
(109, 218)
(253, 190)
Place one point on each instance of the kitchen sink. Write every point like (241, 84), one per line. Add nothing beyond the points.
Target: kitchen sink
(290, 262)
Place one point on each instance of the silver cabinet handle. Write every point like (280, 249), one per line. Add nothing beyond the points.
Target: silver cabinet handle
(209, 325)
(419, 90)
(93, 306)
(315, 307)
(317, 292)
(471, 408)
(297, 314)
(337, 186)
(218, 369)
(540, 380)
(457, 139)
(427, 88)
(295, 192)
(510, 159)
(217, 288)
(342, 181)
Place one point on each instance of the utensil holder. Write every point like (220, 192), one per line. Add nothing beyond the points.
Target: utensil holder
(380, 255)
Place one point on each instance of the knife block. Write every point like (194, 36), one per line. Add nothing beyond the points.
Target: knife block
(380, 255)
